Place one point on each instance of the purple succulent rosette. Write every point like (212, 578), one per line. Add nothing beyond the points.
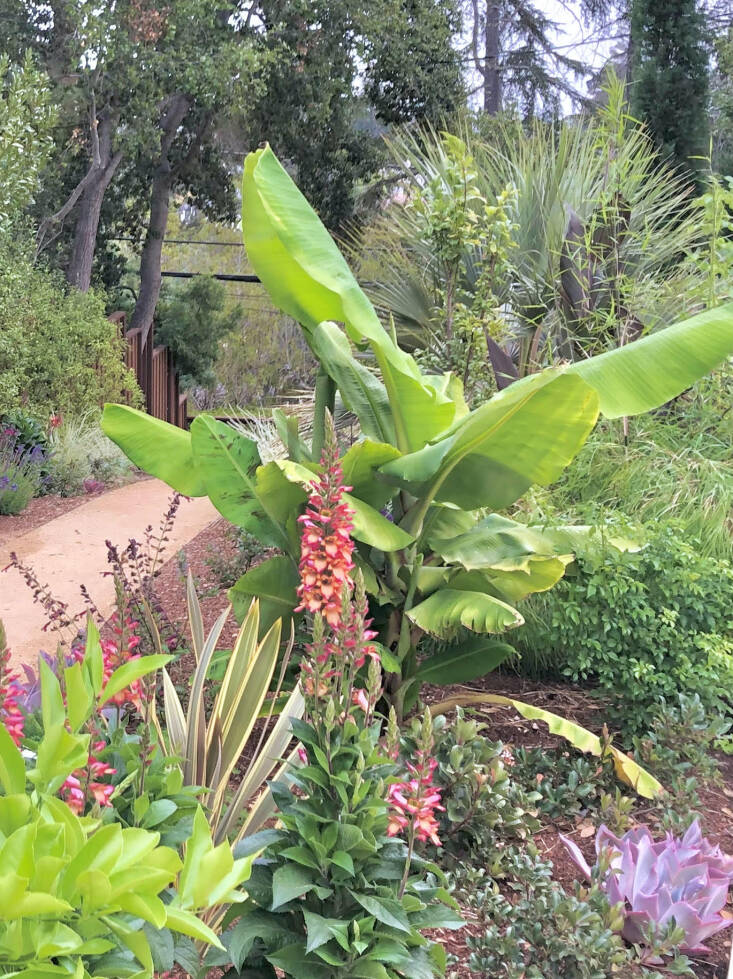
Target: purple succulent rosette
(682, 878)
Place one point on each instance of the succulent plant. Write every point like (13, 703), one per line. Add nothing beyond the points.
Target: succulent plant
(685, 879)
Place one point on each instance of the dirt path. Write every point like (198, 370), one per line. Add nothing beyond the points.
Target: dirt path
(69, 551)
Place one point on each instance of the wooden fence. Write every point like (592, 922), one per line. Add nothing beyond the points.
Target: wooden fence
(155, 373)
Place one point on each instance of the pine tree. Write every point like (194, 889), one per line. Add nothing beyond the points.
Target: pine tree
(669, 89)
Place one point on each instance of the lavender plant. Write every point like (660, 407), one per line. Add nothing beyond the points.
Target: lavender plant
(677, 880)
(21, 471)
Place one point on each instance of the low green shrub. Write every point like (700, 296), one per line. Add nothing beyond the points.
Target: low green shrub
(483, 806)
(21, 471)
(59, 354)
(642, 626)
(532, 928)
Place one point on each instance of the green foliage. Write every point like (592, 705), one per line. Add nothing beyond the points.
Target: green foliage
(440, 562)
(21, 470)
(567, 786)
(25, 123)
(59, 354)
(676, 465)
(228, 569)
(192, 321)
(643, 626)
(82, 891)
(531, 928)
(632, 218)
(81, 457)
(670, 77)
(328, 903)
(484, 805)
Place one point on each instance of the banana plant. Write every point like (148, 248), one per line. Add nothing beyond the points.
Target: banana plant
(427, 475)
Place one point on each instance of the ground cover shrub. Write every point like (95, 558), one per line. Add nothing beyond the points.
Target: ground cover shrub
(484, 806)
(82, 458)
(21, 471)
(531, 928)
(59, 354)
(643, 626)
(229, 568)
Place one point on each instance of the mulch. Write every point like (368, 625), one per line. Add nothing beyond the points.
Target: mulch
(503, 724)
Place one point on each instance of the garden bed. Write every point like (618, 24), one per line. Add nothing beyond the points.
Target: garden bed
(572, 702)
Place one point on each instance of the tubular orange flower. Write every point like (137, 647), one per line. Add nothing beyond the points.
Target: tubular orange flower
(326, 546)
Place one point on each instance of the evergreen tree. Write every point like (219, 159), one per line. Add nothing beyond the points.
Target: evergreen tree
(669, 89)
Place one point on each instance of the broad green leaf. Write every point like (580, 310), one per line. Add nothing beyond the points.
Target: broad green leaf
(274, 582)
(291, 959)
(79, 696)
(158, 448)
(371, 527)
(259, 501)
(514, 586)
(468, 661)
(320, 930)
(289, 882)
(130, 671)
(443, 612)
(93, 662)
(307, 277)
(189, 924)
(12, 766)
(651, 371)
(360, 465)
(523, 435)
(361, 391)
(495, 542)
(387, 911)
(52, 700)
(626, 768)
(59, 754)
(287, 429)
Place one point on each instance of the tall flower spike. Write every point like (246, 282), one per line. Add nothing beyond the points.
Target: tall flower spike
(326, 547)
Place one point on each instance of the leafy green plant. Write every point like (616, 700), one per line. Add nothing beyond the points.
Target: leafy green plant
(532, 928)
(21, 471)
(210, 746)
(632, 223)
(81, 890)
(82, 456)
(567, 786)
(483, 805)
(437, 561)
(228, 569)
(58, 351)
(336, 897)
(643, 626)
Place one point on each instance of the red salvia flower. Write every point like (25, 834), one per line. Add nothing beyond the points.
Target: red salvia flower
(10, 692)
(326, 546)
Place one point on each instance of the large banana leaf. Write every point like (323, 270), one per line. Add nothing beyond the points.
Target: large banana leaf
(651, 371)
(465, 662)
(307, 277)
(155, 447)
(360, 467)
(496, 542)
(246, 493)
(626, 768)
(445, 611)
(361, 391)
(523, 435)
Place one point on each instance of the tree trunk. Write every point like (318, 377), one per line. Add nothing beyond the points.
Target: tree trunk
(150, 260)
(79, 272)
(491, 73)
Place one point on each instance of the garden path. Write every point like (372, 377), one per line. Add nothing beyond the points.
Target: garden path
(70, 551)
